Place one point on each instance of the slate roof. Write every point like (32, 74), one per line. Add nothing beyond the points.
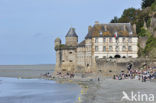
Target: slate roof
(122, 29)
(81, 44)
(71, 33)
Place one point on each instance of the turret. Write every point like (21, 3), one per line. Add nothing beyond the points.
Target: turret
(58, 54)
(57, 42)
(71, 38)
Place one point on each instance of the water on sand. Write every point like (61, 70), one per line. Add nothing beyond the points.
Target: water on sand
(13, 90)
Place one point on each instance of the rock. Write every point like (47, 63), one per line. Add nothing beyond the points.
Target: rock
(142, 42)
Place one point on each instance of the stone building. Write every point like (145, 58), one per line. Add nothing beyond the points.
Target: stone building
(114, 40)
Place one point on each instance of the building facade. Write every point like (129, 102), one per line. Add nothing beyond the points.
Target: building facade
(114, 40)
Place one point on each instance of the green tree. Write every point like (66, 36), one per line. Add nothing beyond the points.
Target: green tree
(115, 20)
(139, 25)
(147, 3)
(129, 15)
(153, 7)
(144, 32)
(150, 44)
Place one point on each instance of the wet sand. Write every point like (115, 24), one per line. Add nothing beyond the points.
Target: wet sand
(13, 90)
(25, 71)
(111, 91)
(105, 91)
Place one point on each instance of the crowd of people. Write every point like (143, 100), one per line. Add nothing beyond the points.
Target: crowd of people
(140, 74)
(65, 75)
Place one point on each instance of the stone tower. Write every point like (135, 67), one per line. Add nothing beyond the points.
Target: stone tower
(58, 54)
(57, 42)
(71, 38)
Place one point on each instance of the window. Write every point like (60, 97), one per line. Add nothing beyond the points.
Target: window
(104, 57)
(96, 48)
(104, 48)
(110, 48)
(117, 48)
(87, 65)
(110, 40)
(101, 33)
(123, 39)
(70, 61)
(62, 60)
(104, 40)
(129, 40)
(123, 48)
(70, 52)
(129, 48)
(96, 40)
(96, 57)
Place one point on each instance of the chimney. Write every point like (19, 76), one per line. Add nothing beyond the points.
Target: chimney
(89, 28)
(105, 26)
(124, 27)
(134, 28)
(96, 22)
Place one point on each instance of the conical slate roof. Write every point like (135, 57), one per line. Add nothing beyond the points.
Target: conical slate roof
(71, 33)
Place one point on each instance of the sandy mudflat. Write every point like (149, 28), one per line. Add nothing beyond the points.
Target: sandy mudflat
(25, 71)
(110, 91)
(13, 90)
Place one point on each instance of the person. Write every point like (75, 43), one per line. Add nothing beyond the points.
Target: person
(145, 79)
(98, 79)
(114, 77)
(150, 77)
(142, 78)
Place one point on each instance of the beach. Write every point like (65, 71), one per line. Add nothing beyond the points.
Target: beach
(111, 91)
(106, 90)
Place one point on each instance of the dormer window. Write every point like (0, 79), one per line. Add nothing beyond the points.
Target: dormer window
(104, 40)
(110, 39)
(101, 33)
(130, 33)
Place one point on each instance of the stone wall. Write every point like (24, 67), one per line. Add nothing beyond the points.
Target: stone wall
(68, 60)
(71, 41)
(110, 67)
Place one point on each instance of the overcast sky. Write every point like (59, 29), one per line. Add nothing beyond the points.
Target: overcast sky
(28, 28)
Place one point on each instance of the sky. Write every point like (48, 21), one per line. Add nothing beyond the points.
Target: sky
(28, 28)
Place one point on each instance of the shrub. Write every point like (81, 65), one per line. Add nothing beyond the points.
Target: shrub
(150, 44)
(144, 32)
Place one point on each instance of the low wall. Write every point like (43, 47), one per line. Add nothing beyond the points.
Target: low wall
(110, 67)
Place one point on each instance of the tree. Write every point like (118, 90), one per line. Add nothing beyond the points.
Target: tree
(147, 3)
(153, 6)
(129, 15)
(144, 32)
(115, 20)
